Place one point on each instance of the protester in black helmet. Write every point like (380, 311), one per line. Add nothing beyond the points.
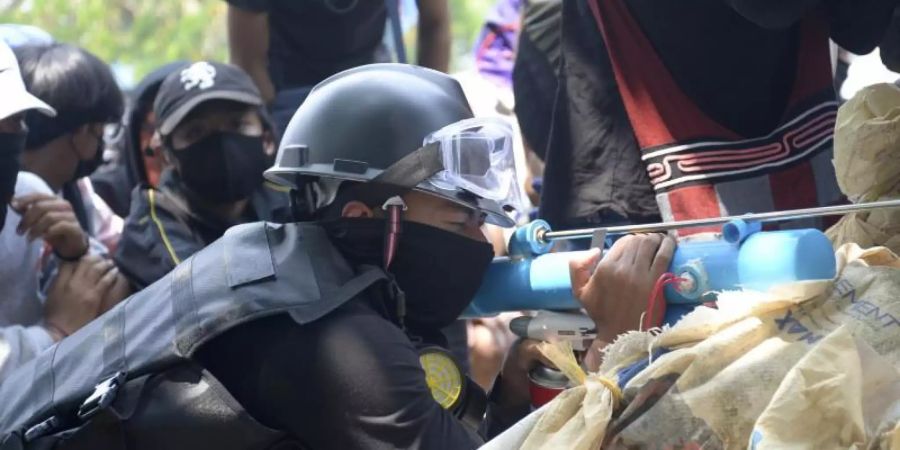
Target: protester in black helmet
(325, 334)
(411, 152)
(218, 141)
(139, 162)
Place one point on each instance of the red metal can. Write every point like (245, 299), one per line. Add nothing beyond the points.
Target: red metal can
(545, 384)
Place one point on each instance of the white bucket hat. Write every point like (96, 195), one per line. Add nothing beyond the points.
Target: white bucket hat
(16, 98)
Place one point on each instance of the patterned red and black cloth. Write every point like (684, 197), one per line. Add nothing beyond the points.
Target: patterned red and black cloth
(701, 108)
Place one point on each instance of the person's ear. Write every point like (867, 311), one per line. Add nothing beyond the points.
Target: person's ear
(357, 210)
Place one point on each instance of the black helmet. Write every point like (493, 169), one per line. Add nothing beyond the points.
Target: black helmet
(360, 122)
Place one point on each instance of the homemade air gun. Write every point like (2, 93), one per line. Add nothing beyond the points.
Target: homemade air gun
(740, 257)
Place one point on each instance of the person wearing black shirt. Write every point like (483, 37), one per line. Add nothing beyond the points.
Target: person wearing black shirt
(288, 46)
(680, 109)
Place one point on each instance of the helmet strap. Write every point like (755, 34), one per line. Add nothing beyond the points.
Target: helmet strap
(392, 230)
(299, 201)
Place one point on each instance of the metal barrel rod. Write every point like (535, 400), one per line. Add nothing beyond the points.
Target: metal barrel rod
(774, 216)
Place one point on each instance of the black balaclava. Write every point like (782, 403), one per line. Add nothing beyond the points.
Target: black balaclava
(438, 271)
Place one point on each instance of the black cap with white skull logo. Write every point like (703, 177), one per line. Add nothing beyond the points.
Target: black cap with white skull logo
(202, 81)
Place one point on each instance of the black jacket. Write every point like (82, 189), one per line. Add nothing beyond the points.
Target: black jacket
(115, 184)
(266, 335)
(594, 173)
(165, 227)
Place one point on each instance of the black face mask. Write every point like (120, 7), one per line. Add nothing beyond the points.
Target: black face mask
(86, 167)
(439, 271)
(11, 146)
(223, 167)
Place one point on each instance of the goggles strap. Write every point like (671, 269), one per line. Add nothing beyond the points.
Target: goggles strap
(401, 177)
(413, 168)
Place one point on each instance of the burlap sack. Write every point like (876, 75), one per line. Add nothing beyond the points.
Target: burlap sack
(578, 417)
(867, 164)
(834, 397)
(869, 229)
(867, 141)
(741, 375)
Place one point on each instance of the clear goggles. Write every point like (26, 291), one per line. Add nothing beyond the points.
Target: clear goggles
(477, 157)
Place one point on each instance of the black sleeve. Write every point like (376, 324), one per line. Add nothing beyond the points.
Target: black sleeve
(859, 25)
(776, 14)
(114, 187)
(498, 419)
(252, 5)
(350, 380)
(890, 45)
(153, 241)
(856, 25)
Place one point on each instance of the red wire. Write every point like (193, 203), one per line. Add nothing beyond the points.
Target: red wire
(664, 279)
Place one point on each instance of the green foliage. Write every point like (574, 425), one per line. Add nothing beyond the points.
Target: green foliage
(468, 17)
(145, 34)
(142, 34)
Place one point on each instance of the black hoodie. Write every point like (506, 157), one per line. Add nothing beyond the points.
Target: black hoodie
(115, 184)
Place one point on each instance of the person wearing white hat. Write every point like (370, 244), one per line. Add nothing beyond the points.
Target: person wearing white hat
(26, 326)
(18, 35)
(17, 100)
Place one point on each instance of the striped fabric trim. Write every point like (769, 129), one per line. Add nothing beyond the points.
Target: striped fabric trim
(708, 162)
